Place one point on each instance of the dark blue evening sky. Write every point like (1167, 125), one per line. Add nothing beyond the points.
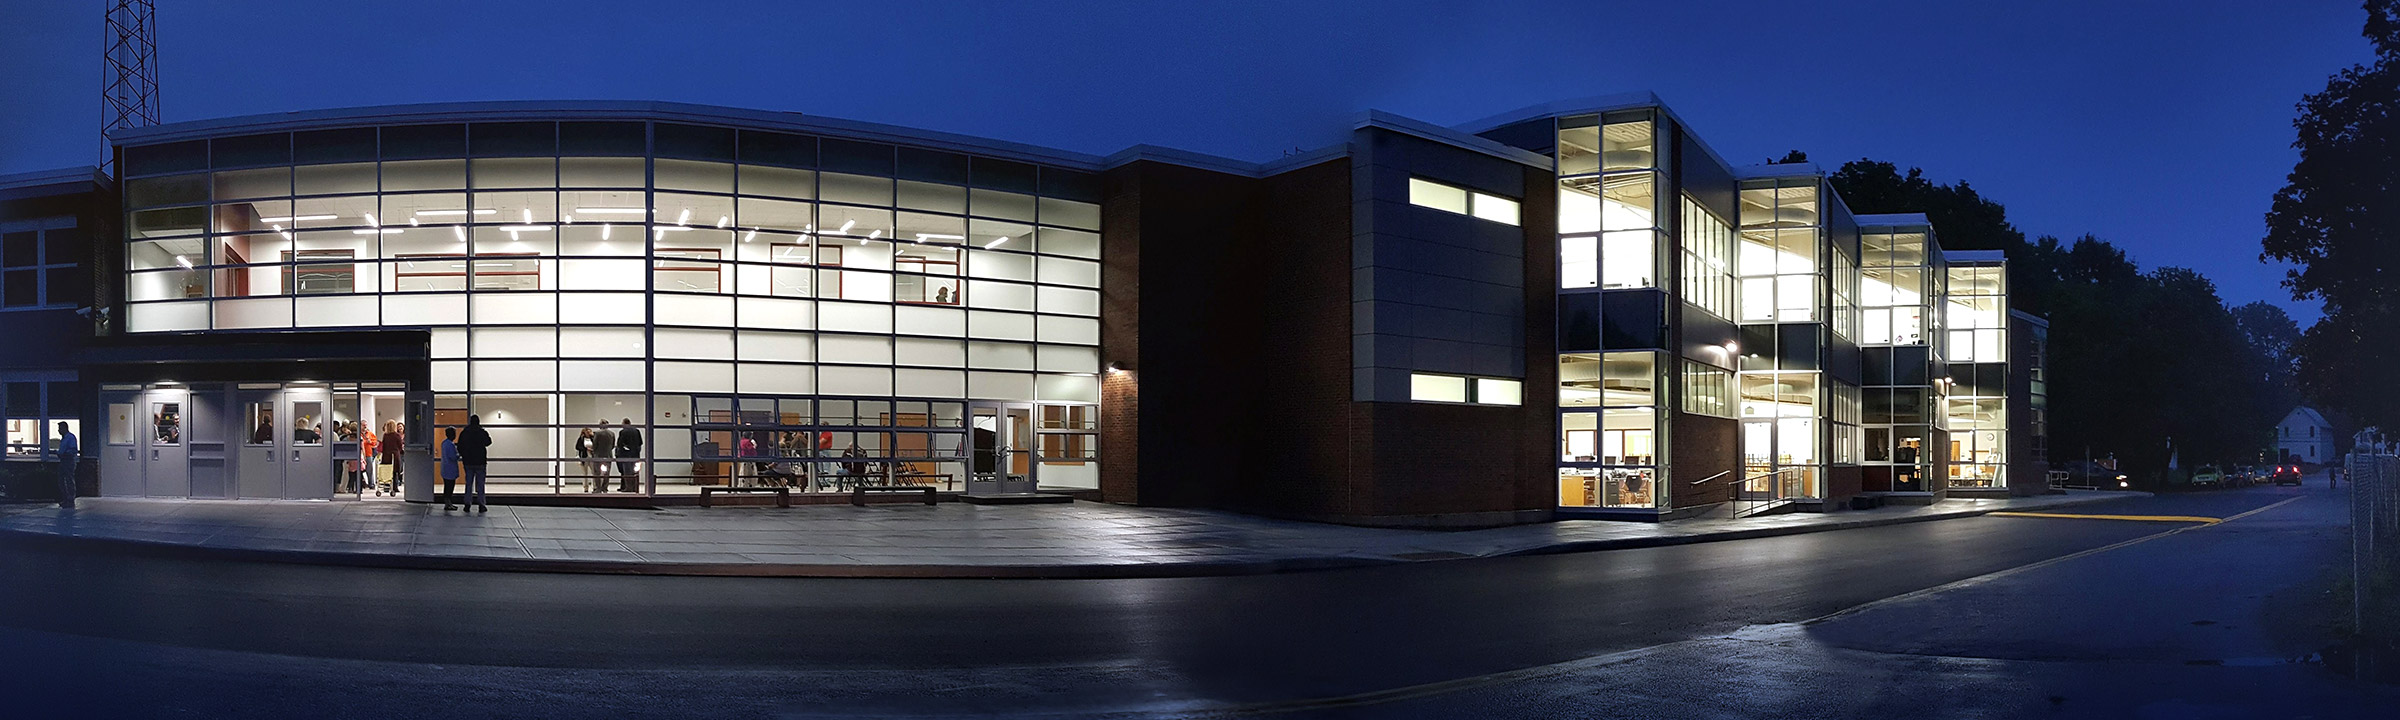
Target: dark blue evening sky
(2164, 127)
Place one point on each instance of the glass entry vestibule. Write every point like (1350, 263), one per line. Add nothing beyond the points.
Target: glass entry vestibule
(288, 441)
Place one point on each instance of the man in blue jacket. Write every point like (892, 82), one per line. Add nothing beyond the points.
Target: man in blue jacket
(69, 455)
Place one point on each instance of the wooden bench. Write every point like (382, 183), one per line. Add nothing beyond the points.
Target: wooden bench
(783, 495)
(858, 493)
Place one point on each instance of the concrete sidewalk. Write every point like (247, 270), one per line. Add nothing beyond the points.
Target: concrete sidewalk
(950, 540)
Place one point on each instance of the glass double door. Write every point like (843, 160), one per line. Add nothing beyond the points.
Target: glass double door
(145, 453)
(282, 443)
(1003, 444)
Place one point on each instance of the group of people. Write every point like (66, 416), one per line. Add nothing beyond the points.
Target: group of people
(602, 450)
(380, 456)
(769, 456)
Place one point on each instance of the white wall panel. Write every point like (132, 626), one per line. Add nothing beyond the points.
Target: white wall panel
(775, 314)
(694, 343)
(602, 376)
(600, 342)
(695, 377)
(271, 312)
(417, 310)
(776, 346)
(335, 311)
(1067, 388)
(1071, 331)
(910, 382)
(603, 309)
(838, 380)
(514, 308)
(855, 317)
(1070, 359)
(158, 317)
(931, 352)
(1000, 386)
(778, 379)
(700, 310)
(513, 375)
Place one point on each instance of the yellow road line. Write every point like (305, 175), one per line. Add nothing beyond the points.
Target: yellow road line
(2145, 518)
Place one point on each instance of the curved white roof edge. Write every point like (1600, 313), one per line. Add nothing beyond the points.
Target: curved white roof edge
(507, 110)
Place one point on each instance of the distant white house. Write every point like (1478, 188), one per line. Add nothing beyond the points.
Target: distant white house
(2304, 435)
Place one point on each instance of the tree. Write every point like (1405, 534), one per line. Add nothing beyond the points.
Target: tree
(2336, 219)
(1794, 156)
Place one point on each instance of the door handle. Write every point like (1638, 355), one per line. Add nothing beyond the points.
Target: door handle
(295, 456)
(154, 453)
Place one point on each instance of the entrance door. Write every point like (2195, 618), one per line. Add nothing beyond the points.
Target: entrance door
(164, 469)
(1002, 454)
(264, 440)
(307, 438)
(1017, 435)
(121, 455)
(205, 432)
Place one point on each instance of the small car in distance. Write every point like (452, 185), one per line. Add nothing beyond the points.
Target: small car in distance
(2208, 475)
(2286, 475)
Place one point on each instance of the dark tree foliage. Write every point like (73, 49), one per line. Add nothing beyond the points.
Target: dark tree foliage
(2136, 359)
(2338, 218)
(1794, 156)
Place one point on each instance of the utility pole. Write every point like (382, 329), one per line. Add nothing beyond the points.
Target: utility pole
(129, 81)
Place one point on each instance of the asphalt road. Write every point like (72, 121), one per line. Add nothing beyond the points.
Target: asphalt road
(86, 632)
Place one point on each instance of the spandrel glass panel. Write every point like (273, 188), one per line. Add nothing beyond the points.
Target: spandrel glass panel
(411, 175)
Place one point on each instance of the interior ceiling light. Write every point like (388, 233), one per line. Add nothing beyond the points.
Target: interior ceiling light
(384, 231)
(609, 210)
(995, 242)
(371, 221)
(525, 228)
(939, 236)
(184, 260)
(604, 228)
(685, 218)
(752, 235)
(846, 225)
(721, 221)
(462, 232)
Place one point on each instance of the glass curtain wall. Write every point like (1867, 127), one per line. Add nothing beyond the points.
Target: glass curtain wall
(1780, 267)
(1611, 237)
(738, 296)
(1902, 396)
(1608, 430)
(1976, 318)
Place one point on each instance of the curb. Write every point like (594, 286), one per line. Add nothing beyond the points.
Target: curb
(1096, 571)
(1576, 546)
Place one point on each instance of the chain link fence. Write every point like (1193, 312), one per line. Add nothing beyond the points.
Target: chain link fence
(2375, 547)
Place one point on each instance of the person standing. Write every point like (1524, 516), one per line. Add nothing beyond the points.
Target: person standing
(583, 454)
(629, 456)
(370, 452)
(70, 455)
(393, 455)
(448, 456)
(473, 446)
(604, 447)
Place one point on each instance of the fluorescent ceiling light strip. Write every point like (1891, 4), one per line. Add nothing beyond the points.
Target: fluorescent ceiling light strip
(939, 236)
(385, 231)
(846, 225)
(525, 228)
(994, 243)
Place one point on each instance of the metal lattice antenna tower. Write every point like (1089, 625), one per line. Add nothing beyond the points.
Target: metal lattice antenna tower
(129, 85)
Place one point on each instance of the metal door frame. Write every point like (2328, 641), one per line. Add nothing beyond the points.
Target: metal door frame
(307, 461)
(157, 466)
(266, 460)
(129, 467)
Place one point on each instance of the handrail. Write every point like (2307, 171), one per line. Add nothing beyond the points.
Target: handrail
(1742, 505)
(1707, 480)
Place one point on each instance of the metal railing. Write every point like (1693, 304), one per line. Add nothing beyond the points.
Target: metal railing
(1768, 500)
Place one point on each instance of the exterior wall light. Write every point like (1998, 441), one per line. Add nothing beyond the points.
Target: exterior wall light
(1116, 368)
